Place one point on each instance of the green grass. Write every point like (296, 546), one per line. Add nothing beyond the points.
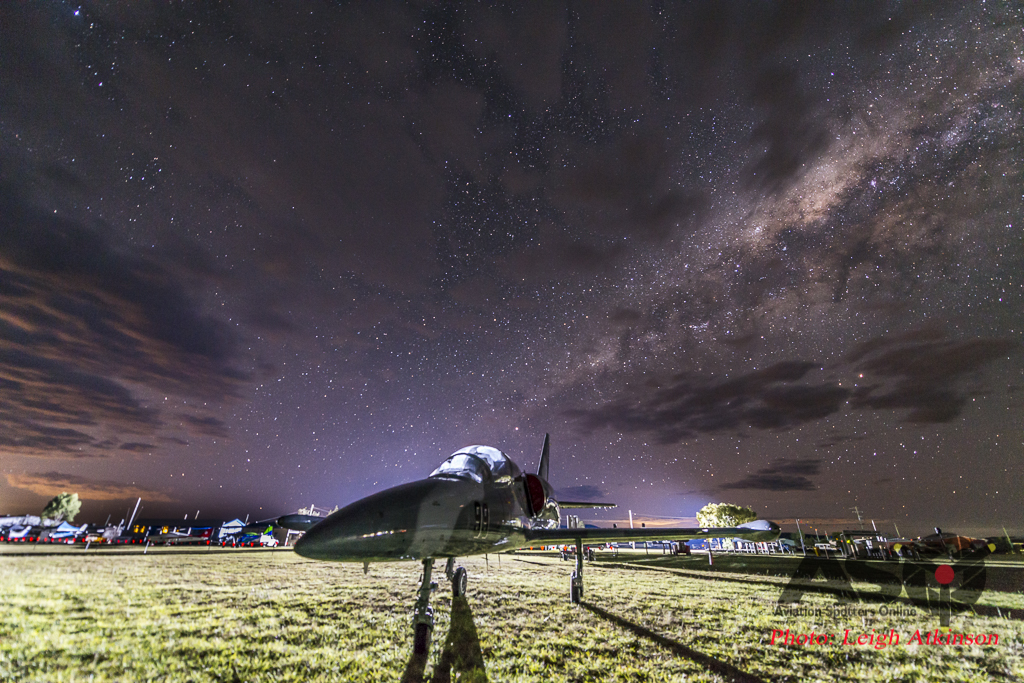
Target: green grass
(198, 615)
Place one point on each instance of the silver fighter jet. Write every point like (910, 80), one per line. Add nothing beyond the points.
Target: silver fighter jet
(478, 501)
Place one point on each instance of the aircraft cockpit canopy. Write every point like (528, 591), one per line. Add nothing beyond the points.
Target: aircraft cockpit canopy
(479, 464)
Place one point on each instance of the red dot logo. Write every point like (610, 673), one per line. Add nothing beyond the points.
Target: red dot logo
(944, 575)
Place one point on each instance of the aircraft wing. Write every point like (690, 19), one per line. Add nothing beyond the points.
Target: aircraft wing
(299, 522)
(595, 506)
(758, 530)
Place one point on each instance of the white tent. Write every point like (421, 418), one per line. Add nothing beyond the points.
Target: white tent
(231, 528)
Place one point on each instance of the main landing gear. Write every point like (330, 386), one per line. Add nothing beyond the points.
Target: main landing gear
(423, 614)
(458, 577)
(576, 583)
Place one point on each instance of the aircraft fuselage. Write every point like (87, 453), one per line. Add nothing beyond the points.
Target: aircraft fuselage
(435, 517)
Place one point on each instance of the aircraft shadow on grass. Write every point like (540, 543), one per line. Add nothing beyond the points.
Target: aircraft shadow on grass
(724, 669)
(461, 657)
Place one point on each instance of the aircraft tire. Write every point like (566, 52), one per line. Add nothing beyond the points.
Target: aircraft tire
(459, 582)
(421, 640)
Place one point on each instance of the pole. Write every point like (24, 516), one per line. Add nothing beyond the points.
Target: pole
(860, 521)
(132, 519)
(800, 531)
(632, 544)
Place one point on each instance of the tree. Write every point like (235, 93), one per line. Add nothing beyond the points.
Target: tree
(724, 515)
(63, 507)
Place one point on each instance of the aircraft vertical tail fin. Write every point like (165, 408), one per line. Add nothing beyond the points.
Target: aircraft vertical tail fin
(542, 471)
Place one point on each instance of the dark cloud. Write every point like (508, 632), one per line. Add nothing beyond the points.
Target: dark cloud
(929, 356)
(923, 372)
(781, 475)
(208, 426)
(624, 316)
(137, 447)
(584, 257)
(687, 405)
(624, 188)
(270, 321)
(790, 132)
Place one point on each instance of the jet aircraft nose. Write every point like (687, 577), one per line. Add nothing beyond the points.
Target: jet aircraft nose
(359, 531)
(404, 522)
(769, 530)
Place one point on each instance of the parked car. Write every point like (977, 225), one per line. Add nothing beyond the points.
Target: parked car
(253, 541)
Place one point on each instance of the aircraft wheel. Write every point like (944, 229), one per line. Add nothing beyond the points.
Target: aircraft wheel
(459, 582)
(421, 640)
(575, 590)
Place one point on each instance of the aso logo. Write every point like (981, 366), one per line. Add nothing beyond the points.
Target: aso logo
(936, 585)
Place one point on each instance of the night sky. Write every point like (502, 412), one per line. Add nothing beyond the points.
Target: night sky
(255, 257)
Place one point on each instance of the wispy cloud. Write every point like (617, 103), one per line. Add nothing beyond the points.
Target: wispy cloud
(83, 326)
(51, 483)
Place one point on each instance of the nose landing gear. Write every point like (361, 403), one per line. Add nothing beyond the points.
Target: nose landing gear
(423, 614)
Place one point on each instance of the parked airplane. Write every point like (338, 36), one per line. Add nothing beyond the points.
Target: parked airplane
(946, 543)
(478, 501)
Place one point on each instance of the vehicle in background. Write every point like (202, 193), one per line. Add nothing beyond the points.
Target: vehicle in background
(252, 541)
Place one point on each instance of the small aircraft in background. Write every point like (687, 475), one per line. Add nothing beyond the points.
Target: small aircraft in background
(478, 501)
(945, 543)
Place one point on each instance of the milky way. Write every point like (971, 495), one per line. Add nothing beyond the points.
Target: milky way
(253, 258)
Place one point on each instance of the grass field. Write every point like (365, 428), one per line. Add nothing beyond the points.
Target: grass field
(268, 615)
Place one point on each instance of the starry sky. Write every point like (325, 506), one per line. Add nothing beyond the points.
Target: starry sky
(258, 256)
